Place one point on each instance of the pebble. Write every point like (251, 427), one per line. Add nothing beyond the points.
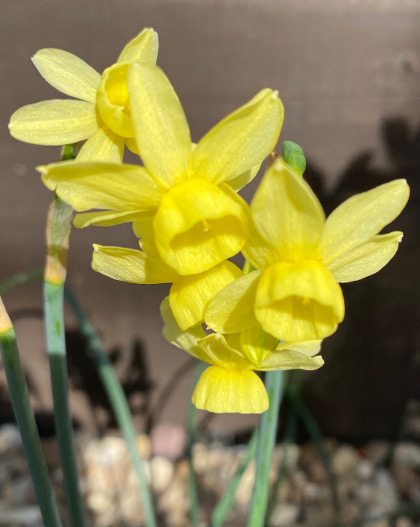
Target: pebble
(408, 454)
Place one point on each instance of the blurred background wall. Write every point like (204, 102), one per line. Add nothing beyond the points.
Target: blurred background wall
(348, 72)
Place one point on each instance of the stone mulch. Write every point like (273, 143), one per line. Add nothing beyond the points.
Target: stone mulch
(372, 483)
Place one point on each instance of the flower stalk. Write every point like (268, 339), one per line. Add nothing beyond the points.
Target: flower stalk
(25, 419)
(274, 383)
(58, 232)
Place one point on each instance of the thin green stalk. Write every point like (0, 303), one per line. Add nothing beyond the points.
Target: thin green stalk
(58, 233)
(118, 403)
(191, 439)
(25, 419)
(274, 382)
(225, 502)
(20, 279)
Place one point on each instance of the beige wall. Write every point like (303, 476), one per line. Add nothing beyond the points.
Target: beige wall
(342, 67)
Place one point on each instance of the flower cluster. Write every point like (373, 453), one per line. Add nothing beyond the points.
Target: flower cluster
(184, 209)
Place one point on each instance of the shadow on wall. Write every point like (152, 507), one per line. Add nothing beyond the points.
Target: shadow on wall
(372, 363)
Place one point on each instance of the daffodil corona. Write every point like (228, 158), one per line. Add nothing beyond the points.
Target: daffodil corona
(100, 111)
(230, 383)
(300, 258)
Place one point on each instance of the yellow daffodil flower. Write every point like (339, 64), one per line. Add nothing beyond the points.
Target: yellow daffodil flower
(230, 384)
(100, 110)
(186, 193)
(300, 257)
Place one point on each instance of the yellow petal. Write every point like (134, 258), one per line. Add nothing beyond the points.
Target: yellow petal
(287, 213)
(142, 48)
(232, 309)
(290, 360)
(198, 225)
(359, 218)
(113, 100)
(161, 129)
(105, 218)
(241, 140)
(297, 302)
(256, 344)
(55, 122)
(243, 179)
(366, 259)
(190, 295)
(67, 73)
(97, 185)
(186, 340)
(220, 390)
(129, 265)
(131, 144)
(307, 347)
(258, 251)
(104, 146)
(214, 349)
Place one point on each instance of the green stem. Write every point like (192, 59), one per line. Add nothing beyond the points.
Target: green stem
(118, 403)
(191, 439)
(58, 232)
(53, 298)
(27, 426)
(225, 502)
(19, 279)
(267, 437)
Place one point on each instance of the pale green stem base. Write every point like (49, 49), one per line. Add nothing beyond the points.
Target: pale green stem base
(26, 422)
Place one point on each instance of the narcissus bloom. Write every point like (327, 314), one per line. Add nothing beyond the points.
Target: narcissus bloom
(230, 384)
(186, 193)
(100, 111)
(300, 257)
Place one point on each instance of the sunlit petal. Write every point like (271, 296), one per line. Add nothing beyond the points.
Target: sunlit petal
(241, 141)
(96, 185)
(366, 259)
(290, 360)
(359, 218)
(307, 347)
(187, 340)
(232, 309)
(55, 122)
(190, 295)
(287, 213)
(160, 126)
(67, 73)
(220, 390)
(130, 265)
(105, 218)
(104, 146)
(142, 48)
(243, 179)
